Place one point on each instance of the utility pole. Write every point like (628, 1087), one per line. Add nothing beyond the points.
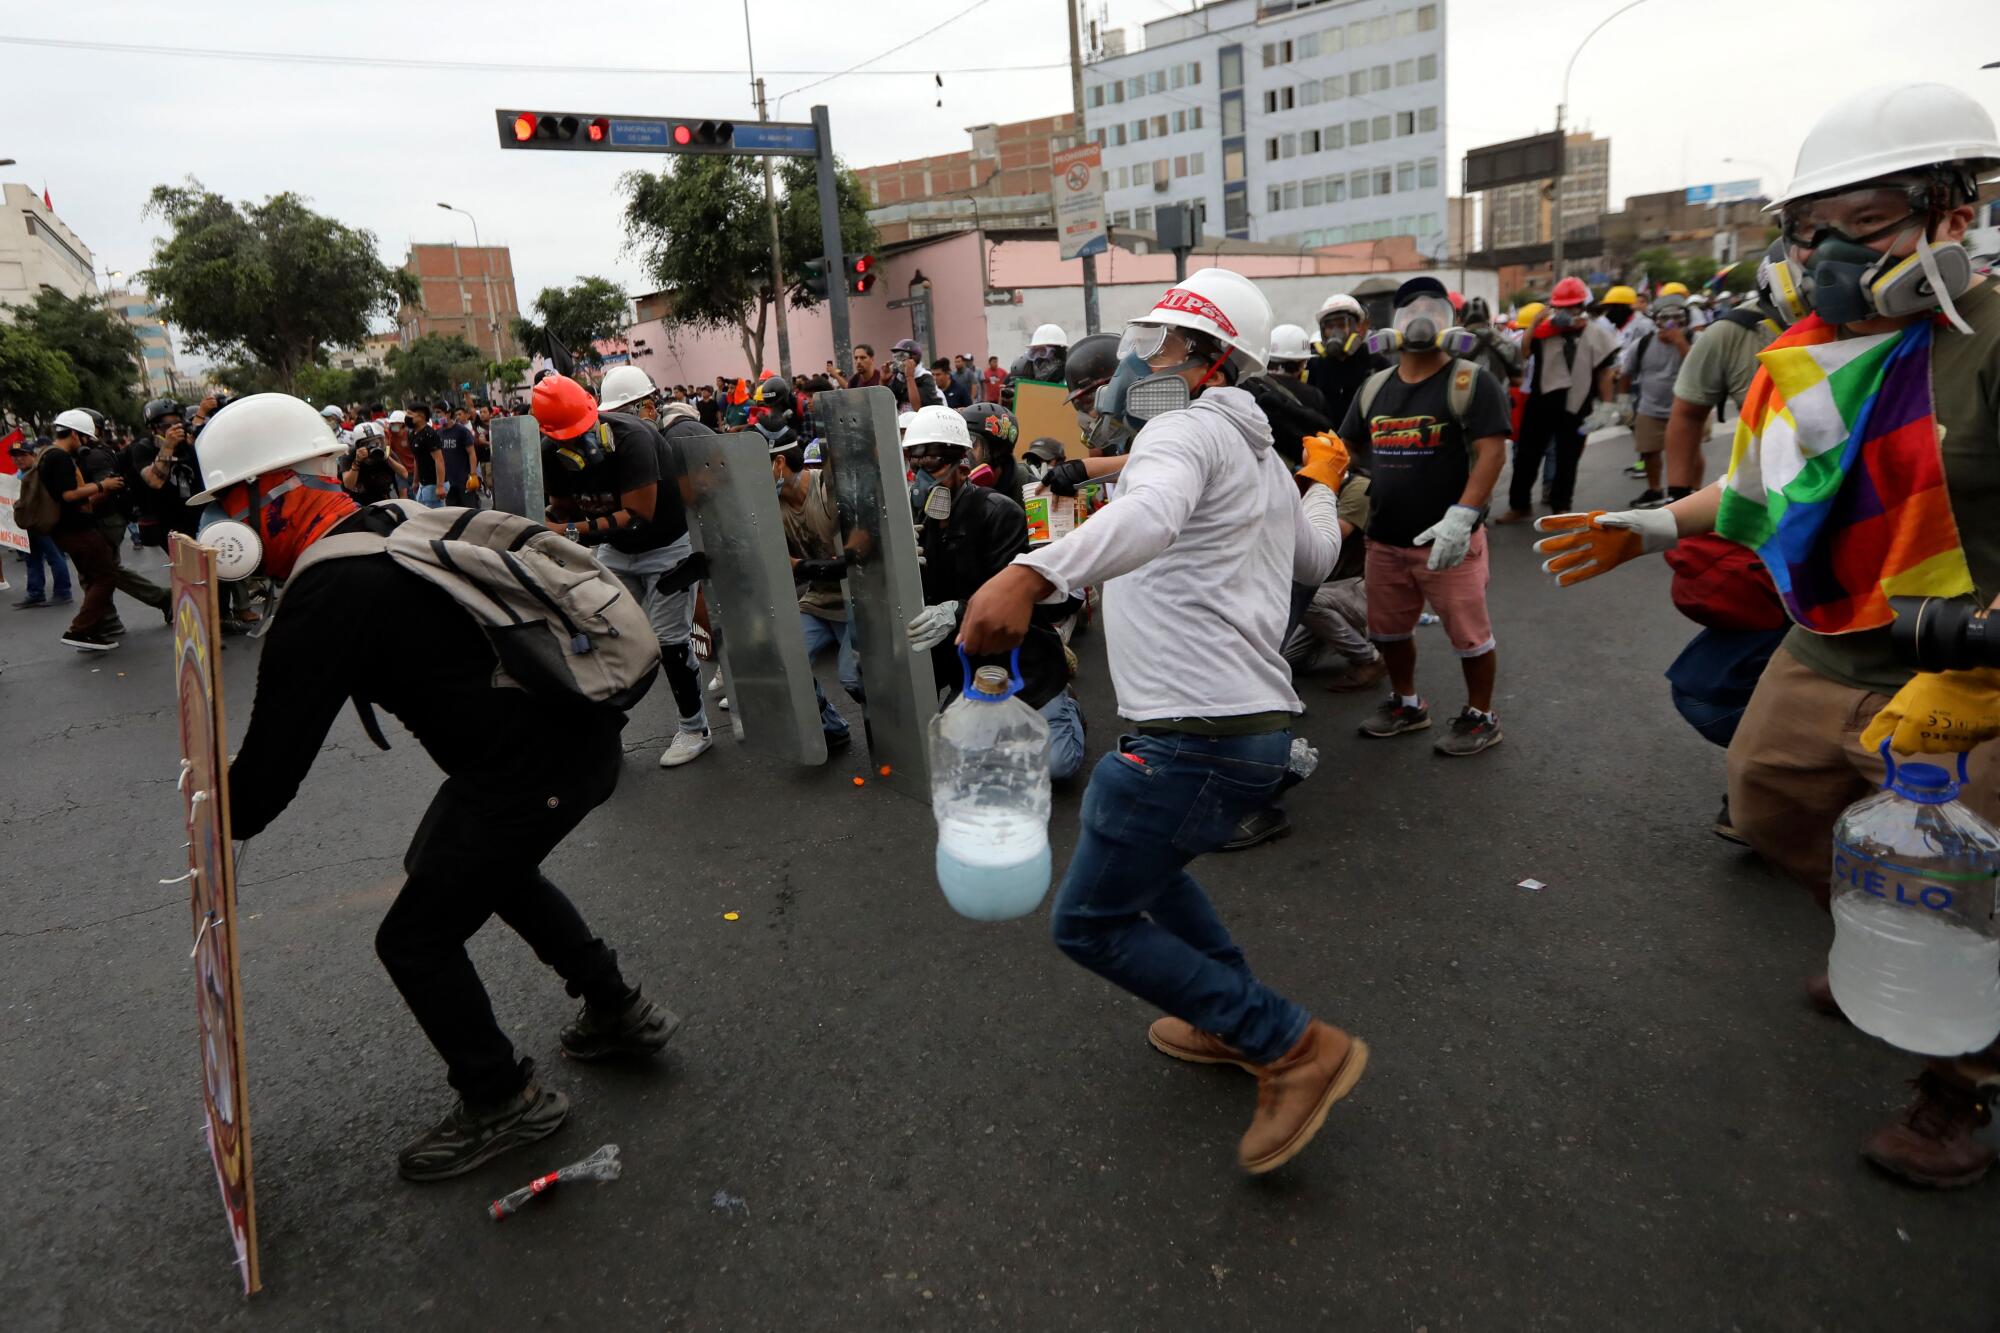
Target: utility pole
(777, 256)
(1557, 224)
(1076, 101)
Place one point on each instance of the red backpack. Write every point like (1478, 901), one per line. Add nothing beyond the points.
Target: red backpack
(1723, 585)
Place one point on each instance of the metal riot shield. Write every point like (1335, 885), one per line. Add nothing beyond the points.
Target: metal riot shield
(517, 467)
(884, 587)
(751, 597)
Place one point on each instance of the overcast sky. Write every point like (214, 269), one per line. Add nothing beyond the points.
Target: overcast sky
(1678, 85)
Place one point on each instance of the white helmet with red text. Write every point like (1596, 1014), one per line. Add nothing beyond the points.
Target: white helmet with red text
(1226, 306)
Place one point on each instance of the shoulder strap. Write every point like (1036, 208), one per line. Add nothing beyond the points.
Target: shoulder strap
(1464, 380)
(346, 544)
(1371, 388)
(1639, 352)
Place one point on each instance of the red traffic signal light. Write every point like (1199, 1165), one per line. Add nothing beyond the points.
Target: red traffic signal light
(861, 274)
(683, 135)
(696, 135)
(524, 127)
(598, 129)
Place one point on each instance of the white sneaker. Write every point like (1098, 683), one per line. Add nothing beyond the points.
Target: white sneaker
(687, 747)
(715, 683)
(723, 703)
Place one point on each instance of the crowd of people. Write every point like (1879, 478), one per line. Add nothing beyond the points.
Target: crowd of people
(1278, 505)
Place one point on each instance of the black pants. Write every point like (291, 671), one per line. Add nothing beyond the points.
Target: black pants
(1546, 425)
(473, 858)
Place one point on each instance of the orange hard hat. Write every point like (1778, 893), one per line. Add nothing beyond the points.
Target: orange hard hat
(563, 408)
(1570, 291)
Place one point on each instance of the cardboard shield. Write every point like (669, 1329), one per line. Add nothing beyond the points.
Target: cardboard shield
(211, 881)
(753, 605)
(885, 589)
(1042, 413)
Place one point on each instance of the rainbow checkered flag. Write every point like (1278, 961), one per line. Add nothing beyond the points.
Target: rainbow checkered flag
(1836, 479)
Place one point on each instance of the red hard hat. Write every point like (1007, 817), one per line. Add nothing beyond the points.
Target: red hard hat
(563, 408)
(1570, 291)
(1457, 300)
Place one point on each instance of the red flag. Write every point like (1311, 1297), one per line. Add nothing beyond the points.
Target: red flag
(45, 199)
(8, 467)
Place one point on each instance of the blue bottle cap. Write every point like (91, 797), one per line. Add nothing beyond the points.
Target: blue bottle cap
(1925, 784)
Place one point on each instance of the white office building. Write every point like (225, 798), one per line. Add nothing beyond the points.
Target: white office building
(38, 251)
(1285, 121)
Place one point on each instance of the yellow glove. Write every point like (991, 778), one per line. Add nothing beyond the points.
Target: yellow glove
(1326, 461)
(1939, 712)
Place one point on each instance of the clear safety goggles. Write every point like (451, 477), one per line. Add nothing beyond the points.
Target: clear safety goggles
(1678, 320)
(1339, 324)
(1153, 342)
(1863, 215)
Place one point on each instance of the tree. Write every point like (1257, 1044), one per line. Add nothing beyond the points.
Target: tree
(508, 374)
(434, 366)
(101, 348)
(701, 230)
(576, 317)
(275, 283)
(35, 382)
(321, 385)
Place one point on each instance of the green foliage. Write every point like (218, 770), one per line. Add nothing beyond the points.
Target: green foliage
(508, 374)
(274, 284)
(320, 385)
(35, 381)
(433, 366)
(101, 348)
(799, 233)
(576, 316)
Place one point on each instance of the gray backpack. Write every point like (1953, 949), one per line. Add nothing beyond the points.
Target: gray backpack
(1458, 395)
(561, 625)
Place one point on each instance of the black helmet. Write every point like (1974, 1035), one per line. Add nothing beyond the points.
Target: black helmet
(993, 421)
(1091, 363)
(776, 392)
(161, 408)
(1476, 312)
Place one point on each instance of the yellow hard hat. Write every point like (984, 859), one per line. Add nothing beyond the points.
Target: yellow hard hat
(1528, 314)
(1621, 295)
(1673, 289)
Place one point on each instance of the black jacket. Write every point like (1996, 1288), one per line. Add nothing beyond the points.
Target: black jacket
(985, 532)
(1295, 410)
(1338, 379)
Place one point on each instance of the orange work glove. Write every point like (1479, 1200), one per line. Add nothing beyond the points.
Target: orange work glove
(1589, 544)
(1326, 461)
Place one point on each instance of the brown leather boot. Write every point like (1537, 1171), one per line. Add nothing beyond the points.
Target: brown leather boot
(1184, 1041)
(1295, 1092)
(1933, 1142)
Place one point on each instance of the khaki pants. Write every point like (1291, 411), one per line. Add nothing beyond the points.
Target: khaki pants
(1797, 761)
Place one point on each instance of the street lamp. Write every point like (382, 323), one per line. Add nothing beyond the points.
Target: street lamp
(1562, 145)
(485, 278)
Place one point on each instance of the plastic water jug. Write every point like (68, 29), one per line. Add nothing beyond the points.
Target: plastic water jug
(990, 794)
(1916, 956)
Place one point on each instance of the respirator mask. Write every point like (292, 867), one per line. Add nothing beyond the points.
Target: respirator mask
(233, 524)
(586, 450)
(1340, 337)
(1567, 318)
(1847, 280)
(1423, 325)
(1150, 393)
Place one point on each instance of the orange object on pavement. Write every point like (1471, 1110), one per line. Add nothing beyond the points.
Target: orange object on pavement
(563, 408)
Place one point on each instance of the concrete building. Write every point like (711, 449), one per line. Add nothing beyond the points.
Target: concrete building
(156, 349)
(1306, 124)
(372, 354)
(37, 251)
(989, 290)
(469, 291)
(1002, 180)
(1520, 214)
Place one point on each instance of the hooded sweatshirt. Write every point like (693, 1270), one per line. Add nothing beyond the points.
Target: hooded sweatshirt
(1196, 558)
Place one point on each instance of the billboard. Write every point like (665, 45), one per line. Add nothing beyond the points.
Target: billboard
(1537, 157)
(1728, 192)
(1076, 180)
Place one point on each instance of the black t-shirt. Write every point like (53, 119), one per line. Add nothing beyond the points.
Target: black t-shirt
(164, 508)
(377, 479)
(1418, 458)
(637, 456)
(457, 457)
(424, 442)
(710, 413)
(59, 473)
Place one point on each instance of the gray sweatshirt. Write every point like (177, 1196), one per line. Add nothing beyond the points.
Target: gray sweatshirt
(1196, 559)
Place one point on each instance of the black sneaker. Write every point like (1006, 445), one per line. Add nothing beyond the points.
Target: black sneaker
(1395, 717)
(640, 1028)
(469, 1137)
(1648, 499)
(1470, 733)
(92, 641)
(31, 603)
(1258, 826)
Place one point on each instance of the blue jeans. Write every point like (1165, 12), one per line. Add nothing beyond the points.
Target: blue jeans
(820, 636)
(429, 497)
(1065, 735)
(1129, 911)
(42, 547)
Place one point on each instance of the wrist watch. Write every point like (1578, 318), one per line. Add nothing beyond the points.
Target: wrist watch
(569, 531)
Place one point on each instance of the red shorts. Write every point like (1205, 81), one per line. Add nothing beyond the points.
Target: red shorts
(1400, 580)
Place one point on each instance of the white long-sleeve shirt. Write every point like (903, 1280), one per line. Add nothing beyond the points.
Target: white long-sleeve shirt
(1196, 559)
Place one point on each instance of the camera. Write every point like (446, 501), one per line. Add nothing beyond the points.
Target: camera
(1943, 634)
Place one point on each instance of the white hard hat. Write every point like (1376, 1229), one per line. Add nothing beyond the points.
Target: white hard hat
(903, 420)
(1880, 131)
(331, 413)
(260, 434)
(937, 424)
(1222, 304)
(1049, 335)
(79, 421)
(1340, 303)
(398, 417)
(623, 385)
(1290, 343)
(367, 430)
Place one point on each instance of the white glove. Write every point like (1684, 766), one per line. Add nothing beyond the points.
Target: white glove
(1450, 537)
(1602, 417)
(932, 626)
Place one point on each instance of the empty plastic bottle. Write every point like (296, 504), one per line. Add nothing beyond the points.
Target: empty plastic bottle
(1916, 957)
(990, 794)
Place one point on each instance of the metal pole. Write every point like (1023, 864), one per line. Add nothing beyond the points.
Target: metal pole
(777, 257)
(1562, 145)
(829, 229)
(1076, 101)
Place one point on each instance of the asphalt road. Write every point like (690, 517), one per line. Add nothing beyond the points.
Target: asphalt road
(1600, 1105)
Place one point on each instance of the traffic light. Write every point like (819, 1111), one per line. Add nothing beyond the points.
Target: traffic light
(861, 274)
(703, 136)
(588, 131)
(815, 280)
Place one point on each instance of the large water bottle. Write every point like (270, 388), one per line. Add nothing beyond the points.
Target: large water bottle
(1916, 956)
(990, 794)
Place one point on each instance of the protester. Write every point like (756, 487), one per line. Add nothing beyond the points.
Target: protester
(956, 393)
(1204, 506)
(910, 379)
(1875, 217)
(866, 373)
(79, 532)
(1720, 365)
(1574, 359)
(427, 444)
(1294, 408)
(1344, 362)
(370, 471)
(461, 455)
(47, 565)
(992, 380)
(1648, 368)
(994, 434)
(819, 565)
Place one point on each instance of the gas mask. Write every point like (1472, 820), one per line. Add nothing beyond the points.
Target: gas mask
(1423, 325)
(937, 502)
(1338, 340)
(1567, 318)
(586, 450)
(1781, 287)
(1848, 281)
(235, 533)
(1136, 395)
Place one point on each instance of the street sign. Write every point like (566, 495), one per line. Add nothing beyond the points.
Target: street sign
(772, 137)
(1537, 157)
(1076, 179)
